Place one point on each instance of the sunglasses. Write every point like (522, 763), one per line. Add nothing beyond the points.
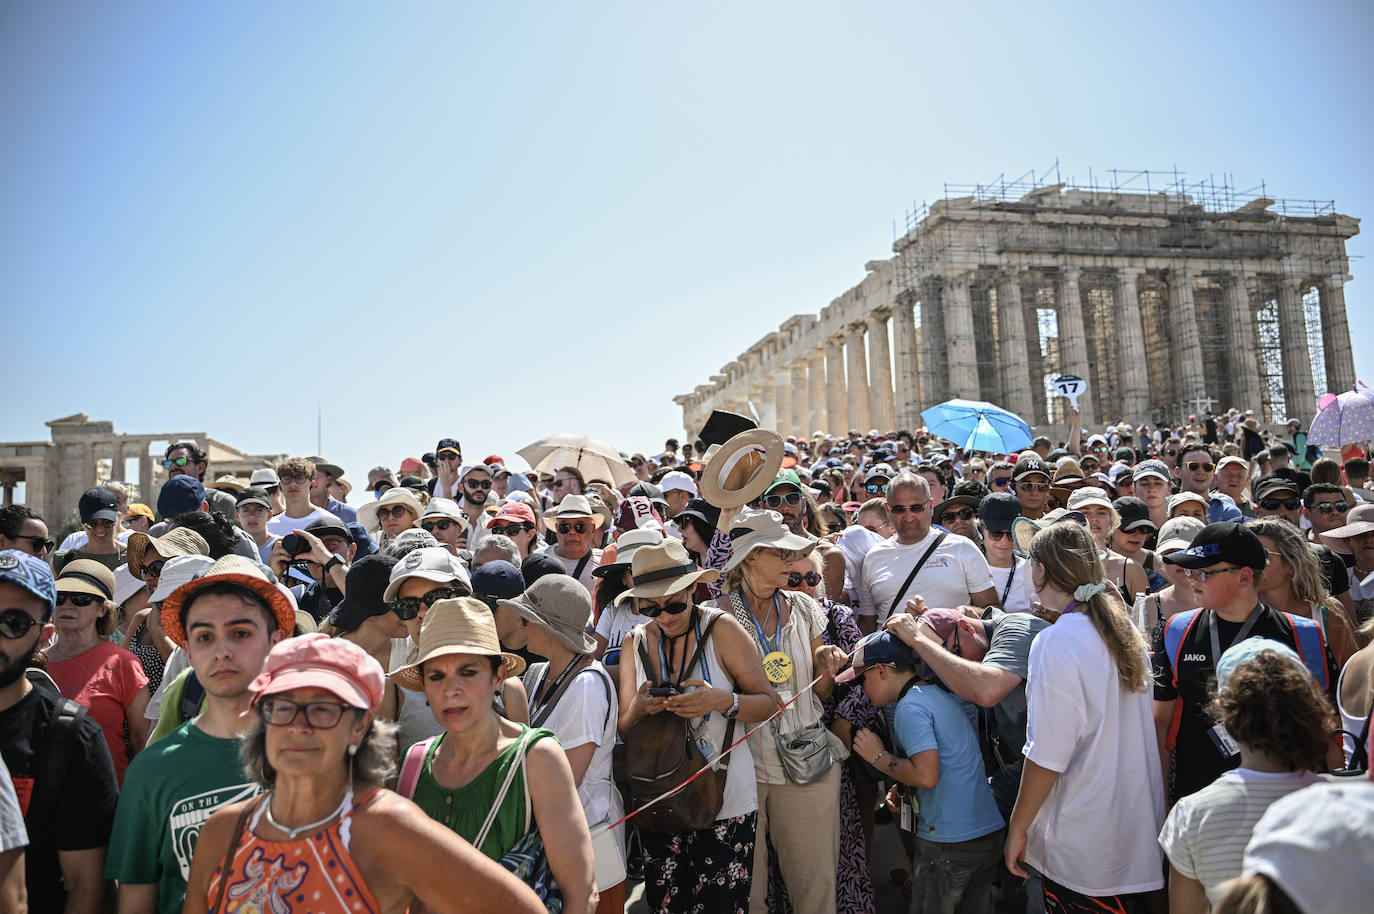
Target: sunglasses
(811, 578)
(320, 715)
(902, 509)
(397, 512)
(560, 483)
(433, 525)
(579, 526)
(672, 609)
(513, 529)
(1331, 507)
(1194, 465)
(178, 462)
(153, 569)
(477, 483)
(1099, 449)
(876, 488)
(1171, 453)
(791, 499)
(409, 607)
(15, 623)
(98, 524)
(1032, 487)
(80, 600)
(961, 514)
(40, 545)
(997, 534)
(1287, 504)
(1001, 481)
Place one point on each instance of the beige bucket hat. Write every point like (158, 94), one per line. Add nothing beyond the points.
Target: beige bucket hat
(573, 506)
(760, 529)
(664, 568)
(462, 625)
(742, 468)
(561, 606)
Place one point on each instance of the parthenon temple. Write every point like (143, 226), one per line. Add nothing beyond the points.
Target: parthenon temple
(1168, 299)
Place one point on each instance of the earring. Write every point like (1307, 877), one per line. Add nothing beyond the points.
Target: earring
(352, 751)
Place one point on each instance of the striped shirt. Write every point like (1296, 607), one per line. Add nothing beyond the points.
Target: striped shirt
(1206, 832)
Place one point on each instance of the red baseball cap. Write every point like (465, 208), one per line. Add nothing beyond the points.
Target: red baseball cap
(512, 511)
(411, 465)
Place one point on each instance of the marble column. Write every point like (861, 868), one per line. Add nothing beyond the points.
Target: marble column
(1188, 370)
(782, 402)
(881, 401)
(1073, 342)
(1299, 390)
(960, 349)
(1130, 338)
(1240, 322)
(932, 351)
(1340, 361)
(801, 403)
(836, 394)
(145, 475)
(761, 397)
(1017, 383)
(815, 392)
(904, 372)
(857, 365)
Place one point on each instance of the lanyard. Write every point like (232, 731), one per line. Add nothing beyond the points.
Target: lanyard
(776, 644)
(666, 670)
(553, 690)
(1015, 564)
(1244, 632)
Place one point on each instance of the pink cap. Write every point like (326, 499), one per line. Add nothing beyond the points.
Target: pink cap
(512, 511)
(941, 621)
(317, 661)
(411, 465)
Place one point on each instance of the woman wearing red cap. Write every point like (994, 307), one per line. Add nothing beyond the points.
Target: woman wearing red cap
(323, 837)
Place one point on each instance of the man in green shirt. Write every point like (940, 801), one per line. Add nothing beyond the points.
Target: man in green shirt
(227, 621)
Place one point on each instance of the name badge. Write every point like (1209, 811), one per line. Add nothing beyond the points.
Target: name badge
(1223, 741)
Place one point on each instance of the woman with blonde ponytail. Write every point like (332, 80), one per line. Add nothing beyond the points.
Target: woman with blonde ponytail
(1092, 800)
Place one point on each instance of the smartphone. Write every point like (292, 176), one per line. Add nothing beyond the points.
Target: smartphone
(663, 691)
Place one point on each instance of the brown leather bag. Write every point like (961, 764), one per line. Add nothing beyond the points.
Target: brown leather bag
(660, 754)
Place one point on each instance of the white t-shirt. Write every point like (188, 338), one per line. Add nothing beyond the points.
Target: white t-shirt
(1020, 596)
(582, 716)
(282, 525)
(585, 579)
(954, 571)
(1206, 832)
(1096, 832)
(615, 623)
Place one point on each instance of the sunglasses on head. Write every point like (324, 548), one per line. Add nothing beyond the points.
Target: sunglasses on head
(178, 462)
(513, 529)
(965, 513)
(398, 511)
(409, 607)
(15, 623)
(80, 600)
(811, 578)
(443, 524)
(1287, 504)
(791, 499)
(902, 509)
(653, 611)
(477, 483)
(577, 526)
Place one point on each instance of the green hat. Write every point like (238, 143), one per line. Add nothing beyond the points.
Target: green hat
(785, 478)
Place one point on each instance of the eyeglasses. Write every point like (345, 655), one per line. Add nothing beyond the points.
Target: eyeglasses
(1032, 487)
(433, 525)
(1287, 504)
(578, 526)
(1000, 481)
(791, 499)
(397, 512)
(98, 524)
(321, 715)
(15, 623)
(513, 529)
(997, 534)
(178, 462)
(1195, 465)
(1202, 574)
(79, 600)
(153, 569)
(961, 514)
(477, 483)
(796, 578)
(1171, 453)
(409, 607)
(1331, 507)
(40, 545)
(902, 509)
(865, 671)
(876, 488)
(653, 611)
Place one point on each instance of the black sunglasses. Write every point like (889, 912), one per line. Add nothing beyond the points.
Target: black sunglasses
(672, 609)
(80, 600)
(409, 607)
(580, 526)
(965, 513)
(513, 529)
(153, 569)
(795, 579)
(1287, 504)
(477, 483)
(15, 623)
(40, 545)
(443, 524)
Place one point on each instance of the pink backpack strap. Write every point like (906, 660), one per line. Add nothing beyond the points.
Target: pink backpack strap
(410, 768)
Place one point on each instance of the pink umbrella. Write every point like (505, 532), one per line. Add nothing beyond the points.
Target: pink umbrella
(1344, 419)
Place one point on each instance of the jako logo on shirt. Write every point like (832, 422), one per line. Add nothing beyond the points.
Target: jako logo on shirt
(1197, 658)
(189, 815)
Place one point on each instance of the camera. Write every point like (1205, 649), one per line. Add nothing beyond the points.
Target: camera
(295, 544)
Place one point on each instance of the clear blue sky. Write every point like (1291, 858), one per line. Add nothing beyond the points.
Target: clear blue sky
(498, 221)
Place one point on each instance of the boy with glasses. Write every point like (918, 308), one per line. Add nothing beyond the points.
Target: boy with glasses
(1224, 562)
(295, 477)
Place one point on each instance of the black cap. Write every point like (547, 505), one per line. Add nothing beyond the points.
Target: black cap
(649, 491)
(1134, 513)
(1029, 466)
(97, 504)
(880, 470)
(1227, 542)
(702, 509)
(499, 580)
(448, 444)
(1267, 485)
(998, 510)
(538, 564)
(364, 585)
(721, 426)
(329, 525)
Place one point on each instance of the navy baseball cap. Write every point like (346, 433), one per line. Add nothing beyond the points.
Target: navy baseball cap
(497, 580)
(879, 647)
(30, 573)
(180, 494)
(998, 510)
(1226, 542)
(97, 504)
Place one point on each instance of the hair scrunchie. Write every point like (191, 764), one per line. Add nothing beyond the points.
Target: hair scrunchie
(1083, 592)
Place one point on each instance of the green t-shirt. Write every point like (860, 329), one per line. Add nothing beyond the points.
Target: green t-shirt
(464, 809)
(170, 789)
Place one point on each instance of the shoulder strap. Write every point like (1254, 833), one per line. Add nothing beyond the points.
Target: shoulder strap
(549, 705)
(641, 645)
(1311, 647)
(518, 764)
(582, 564)
(711, 620)
(192, 694)
(412, 766)
(1175, 633)
(896, 601)
(52, 761)
(228, 865)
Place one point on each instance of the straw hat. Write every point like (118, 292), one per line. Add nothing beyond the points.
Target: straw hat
(1068, 471)
(232, 569)
(559, 605)
(177, 541)
(367, 514)
(229, 483)
(742, 468)
(572, 506)
(756, 529)
(658, 570)
(87, 576)
(462, 625)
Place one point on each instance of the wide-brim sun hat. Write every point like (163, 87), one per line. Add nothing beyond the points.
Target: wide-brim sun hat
(570, 508)
(177, 541)
(317, 661)
(761, 529)
(630, 542)
(559, 605)
(400, 495)
(658, 570)
(232, 569)
(1359, 520)
(971, 501)
(742, 468)
(87, 576)
(463, 625)
(179, 570)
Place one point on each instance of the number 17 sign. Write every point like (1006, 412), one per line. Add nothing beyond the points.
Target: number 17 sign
(1071, 386)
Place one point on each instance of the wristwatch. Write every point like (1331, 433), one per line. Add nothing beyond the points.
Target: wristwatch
(732, 711)
(333, 560)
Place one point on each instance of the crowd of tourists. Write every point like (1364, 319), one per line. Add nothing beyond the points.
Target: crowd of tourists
(1127, 671)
